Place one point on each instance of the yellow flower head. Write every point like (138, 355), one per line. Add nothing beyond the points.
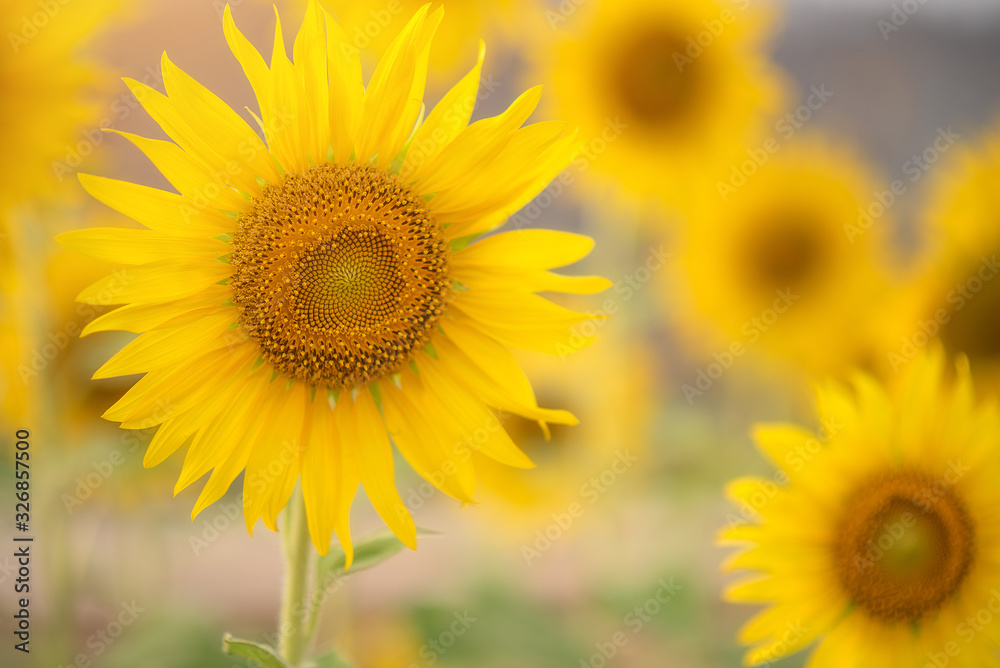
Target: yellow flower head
(667, 93)
(878, 538)
(45, 83)
(783, 264)
(954, 295)
(312, 293)
(11, 394)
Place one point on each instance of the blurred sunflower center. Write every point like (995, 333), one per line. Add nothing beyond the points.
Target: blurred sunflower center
(973, 326)
(340, 274)
(904, 546)
(653, 80)
(782, 254)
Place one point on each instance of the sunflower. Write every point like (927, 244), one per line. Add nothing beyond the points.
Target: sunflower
(12, 398)
(618, 416)
(667, 93)
(954, 292)
(784, 265)
(963, 196)
(375, 23)
(310, 294)
(42, 70)
(879, 540)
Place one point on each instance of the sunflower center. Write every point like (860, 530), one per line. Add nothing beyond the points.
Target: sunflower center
(904, 546)
(652, 78)
(340, 274)
(975, 317)
(782, 254)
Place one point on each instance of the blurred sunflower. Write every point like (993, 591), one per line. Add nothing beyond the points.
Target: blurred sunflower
(784, 264)
(305, 298)
(964, 196)
(42, 348)
(42, 70)
(66, 274)
(374, 24)
(667, 93)
(954, 292)
(618, 413)
(883, 544)
(12, 398)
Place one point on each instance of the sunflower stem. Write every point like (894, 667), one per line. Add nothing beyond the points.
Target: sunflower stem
(298, 554)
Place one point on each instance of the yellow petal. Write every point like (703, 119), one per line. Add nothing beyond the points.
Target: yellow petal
(492, 211)
(229, 419)
(244, 157)
(329, 481)
(188, 175)
(199, 140)
(285, 140)
(256, 72)
(275, 459)
(446, 121)
(128, 246)
(489, 368)
(513, 164)
(165, 393)
(395, 93)
(347, 90)
(360, 423)
(309, 55)
(428, 438)
(142, 317)
(157, 209)
(168, 438)
(483, 432)
(526, 321)
(163, 281)
(168, 346)
(524, 249)
(284, 483)
(237, 440)
(476, 146)
(786, 445)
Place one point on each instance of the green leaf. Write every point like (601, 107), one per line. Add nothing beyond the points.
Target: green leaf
(262, 655)
(331, 660)
(368, 552)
